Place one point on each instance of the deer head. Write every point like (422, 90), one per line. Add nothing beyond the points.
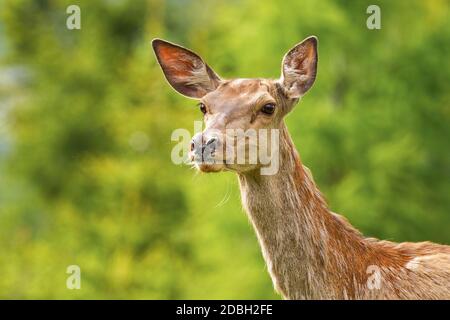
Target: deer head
(238, 105)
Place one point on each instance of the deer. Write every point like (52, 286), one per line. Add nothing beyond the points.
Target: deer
(310, 252)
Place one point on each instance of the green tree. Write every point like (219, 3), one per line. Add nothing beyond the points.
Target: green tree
(86, 119)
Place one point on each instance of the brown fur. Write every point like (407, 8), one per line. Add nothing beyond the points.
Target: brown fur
(313, 253)
(310, 252)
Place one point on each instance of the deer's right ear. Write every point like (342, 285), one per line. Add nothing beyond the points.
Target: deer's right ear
(299, 68)
(185, 70)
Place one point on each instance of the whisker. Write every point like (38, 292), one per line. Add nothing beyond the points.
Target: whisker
(226, 196)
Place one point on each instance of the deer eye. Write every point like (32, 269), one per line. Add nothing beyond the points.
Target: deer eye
(268, 108)
(202, 107)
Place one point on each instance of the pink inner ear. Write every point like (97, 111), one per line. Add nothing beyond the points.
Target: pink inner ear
(302, 59)
(299, 68)
(176, 62)
(184, 70)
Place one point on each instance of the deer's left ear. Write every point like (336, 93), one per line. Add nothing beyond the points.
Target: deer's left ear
(185, 70)
(299, 68)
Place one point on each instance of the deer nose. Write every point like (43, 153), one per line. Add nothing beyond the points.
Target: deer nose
(209, 148)
(197, 143)
(204, 150)
(211, 142)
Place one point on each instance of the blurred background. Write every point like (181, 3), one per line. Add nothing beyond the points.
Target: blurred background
(86, 118)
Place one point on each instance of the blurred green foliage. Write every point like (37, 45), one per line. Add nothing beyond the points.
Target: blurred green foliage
(86, 118)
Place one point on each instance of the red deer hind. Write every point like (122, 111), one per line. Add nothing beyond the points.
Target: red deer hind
(310, 252)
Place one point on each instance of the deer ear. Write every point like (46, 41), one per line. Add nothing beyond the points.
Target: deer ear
(299, 68)
(185, 70)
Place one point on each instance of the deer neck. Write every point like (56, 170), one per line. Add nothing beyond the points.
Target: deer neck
(303, 243)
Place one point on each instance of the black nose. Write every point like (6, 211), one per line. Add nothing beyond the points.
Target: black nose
(211, 141)
(204, 151)
(209, 147)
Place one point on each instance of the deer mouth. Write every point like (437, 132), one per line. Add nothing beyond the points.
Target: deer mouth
(210, 167)
(207, 161)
